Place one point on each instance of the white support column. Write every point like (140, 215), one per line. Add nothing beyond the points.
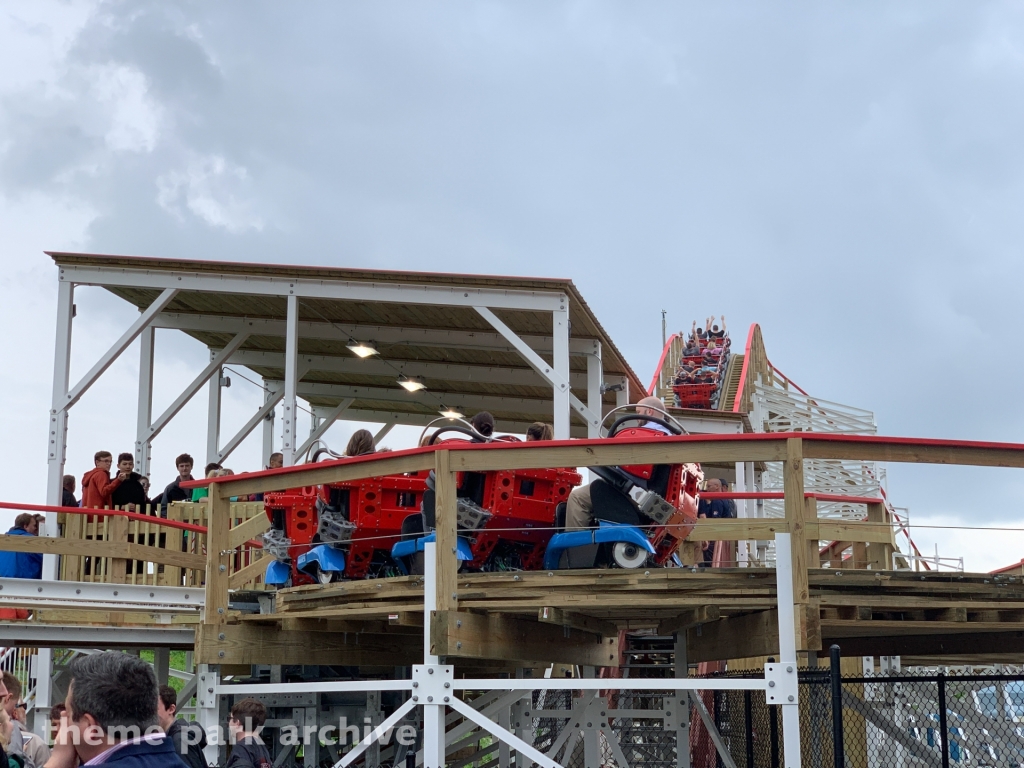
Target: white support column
(56, 456)
(680, 716)
(291, 381)
(787, 649)
(743, 548)
(213, 416)
(143, 446)
(595, 378)
(207, 709)
(560, 337)
(622, 395)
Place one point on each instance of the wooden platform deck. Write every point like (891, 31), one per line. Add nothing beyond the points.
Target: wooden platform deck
(575, 617)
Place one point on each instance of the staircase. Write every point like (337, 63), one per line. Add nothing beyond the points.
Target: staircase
(731, 386)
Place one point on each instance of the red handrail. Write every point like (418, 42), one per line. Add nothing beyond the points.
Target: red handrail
(661, 363)
(830, 497)
(105, 513)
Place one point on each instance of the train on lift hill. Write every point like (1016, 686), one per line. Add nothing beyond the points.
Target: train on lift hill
(506, 519)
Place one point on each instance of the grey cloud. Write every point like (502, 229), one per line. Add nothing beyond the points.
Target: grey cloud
(848, 176)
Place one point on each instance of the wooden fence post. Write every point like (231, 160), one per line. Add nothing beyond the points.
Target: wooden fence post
(446, 525)
(879, 556)
(796, 515)
(218, 555)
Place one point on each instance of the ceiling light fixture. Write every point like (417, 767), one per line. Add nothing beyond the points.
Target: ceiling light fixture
(451, 413)
(411, 385)
(363, 348)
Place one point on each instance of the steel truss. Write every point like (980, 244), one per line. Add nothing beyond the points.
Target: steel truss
(505, 710)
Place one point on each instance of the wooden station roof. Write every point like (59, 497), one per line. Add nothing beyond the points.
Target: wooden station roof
(475, 369)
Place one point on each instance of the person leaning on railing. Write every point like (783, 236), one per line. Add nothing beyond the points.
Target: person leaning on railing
(715, 509)
(22, 565)
(97, 485)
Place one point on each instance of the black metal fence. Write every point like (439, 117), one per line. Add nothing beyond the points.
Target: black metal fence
(907, 720)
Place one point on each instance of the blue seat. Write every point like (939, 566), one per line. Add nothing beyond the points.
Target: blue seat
(606, 533)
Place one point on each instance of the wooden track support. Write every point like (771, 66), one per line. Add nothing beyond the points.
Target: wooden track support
(497, 636)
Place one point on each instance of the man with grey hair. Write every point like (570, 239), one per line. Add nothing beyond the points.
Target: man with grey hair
(579, 506)
(111, 716)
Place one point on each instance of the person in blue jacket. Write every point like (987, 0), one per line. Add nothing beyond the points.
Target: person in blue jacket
(22, 565)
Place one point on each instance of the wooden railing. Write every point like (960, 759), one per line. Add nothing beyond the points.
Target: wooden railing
(115, 546)
(871, 538)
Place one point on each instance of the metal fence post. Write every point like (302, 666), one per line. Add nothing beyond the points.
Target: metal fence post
(748, 719)
(943, 727)
(838, 749)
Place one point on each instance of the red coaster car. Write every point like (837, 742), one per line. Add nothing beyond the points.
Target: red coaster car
(340, 530)
(505, 518)
(642, 512)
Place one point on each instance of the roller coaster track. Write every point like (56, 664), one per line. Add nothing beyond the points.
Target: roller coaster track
(751, 374)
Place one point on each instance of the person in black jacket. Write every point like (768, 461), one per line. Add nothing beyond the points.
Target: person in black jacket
(249, 751)
(174, 492)
(68, 492)
(188, 738)
(129, 495)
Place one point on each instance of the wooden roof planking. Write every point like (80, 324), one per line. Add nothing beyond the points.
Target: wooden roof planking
(435, 343)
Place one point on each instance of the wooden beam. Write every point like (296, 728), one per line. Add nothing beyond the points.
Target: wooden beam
(796, 510)
(690, 618)
(218, 558)
(615, 452)
(260, 644)
(247, 530)
(90, 548)
(879, 553)
(338, 471)
(914, 452)
(752, 634)
(849, 532)
(737, 529)
(563, 618)
(445, 513)
(496, 636)
(247, 573)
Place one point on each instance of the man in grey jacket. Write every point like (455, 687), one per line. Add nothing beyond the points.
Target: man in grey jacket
(188, 738)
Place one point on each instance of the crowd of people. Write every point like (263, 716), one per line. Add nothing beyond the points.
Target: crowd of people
(701, 370)
(115, 714)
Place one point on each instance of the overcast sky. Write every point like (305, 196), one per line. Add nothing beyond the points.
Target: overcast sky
(847, 175)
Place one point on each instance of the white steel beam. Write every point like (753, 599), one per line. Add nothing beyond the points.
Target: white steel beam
(595, 377)
(143, 447)
(56, 458)
(543, 368)
(289, 426)
(382, 334)
(160, 599)
(262, 416)
(189, 392)
(213, 410)
(326, 420)
(422, 419)
(142, 322)
(560, 359)
(47, 636)
(347, 290)
(542, 408)
(383, 432)
(414, 368)
(275, 392)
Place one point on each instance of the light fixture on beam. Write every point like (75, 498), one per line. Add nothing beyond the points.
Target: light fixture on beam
(362, 348)
(451, 413)
(411, 385)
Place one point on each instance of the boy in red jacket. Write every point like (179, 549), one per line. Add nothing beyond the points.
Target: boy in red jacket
(96, 483)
